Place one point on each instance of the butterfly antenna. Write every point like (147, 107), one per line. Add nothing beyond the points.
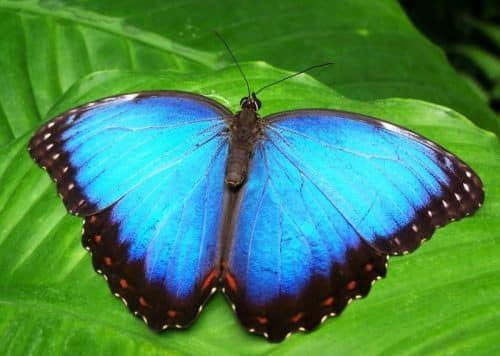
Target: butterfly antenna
(293, 75)
(234, 59)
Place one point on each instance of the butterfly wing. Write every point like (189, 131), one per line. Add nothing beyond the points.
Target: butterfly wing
(331, 195)
(147, 172)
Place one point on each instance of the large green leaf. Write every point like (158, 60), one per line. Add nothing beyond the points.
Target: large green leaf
(441, 298)
(45, 48)
(46, 45)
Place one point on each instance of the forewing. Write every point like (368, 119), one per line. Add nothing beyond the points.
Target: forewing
(393, 185)
(98, 152)
(330, 195)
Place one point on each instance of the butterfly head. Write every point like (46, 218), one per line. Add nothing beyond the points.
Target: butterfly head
(250, 102)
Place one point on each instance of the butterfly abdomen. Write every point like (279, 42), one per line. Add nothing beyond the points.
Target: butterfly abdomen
(244, 130)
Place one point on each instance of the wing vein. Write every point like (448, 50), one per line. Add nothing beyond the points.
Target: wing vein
(291, 160)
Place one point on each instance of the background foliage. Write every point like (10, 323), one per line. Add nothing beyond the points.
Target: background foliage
(469, 32)
(57, 54)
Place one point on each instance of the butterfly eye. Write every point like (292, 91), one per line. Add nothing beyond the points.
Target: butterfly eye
(257, 103)
(242, 101)
(250, 102)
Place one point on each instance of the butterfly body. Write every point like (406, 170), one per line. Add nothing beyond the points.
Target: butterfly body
(291, 215)
(244, 130)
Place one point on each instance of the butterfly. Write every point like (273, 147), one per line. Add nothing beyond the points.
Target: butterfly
(292, 215)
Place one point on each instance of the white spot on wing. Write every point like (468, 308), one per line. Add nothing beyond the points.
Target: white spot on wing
(466, 187)
(50, 124)
(128, 96)
(391, 127)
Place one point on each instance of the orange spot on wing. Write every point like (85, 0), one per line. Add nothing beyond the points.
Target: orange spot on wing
(97, 239)
(123, 283)
(262, 320)
(297, 317)
(327, 302)
(93, 219)
(368, 267)
(143, 302)
(108, 261)
(231, 282)
(210, 278)
(351, 285)
(171, 313)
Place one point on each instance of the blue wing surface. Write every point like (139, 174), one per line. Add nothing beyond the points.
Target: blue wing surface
(147, 172)
(329, 196)
(98, 152)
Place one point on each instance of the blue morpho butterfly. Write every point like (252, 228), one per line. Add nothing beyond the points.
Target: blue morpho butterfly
(292, 215)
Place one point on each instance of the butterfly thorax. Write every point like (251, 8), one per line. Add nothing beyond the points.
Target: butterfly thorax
(244, 131)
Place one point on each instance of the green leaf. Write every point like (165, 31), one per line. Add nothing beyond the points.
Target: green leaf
(46, 45)
(495, 92)
(489, 29)
(442, 298)
(486, 62)
(476, 87)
